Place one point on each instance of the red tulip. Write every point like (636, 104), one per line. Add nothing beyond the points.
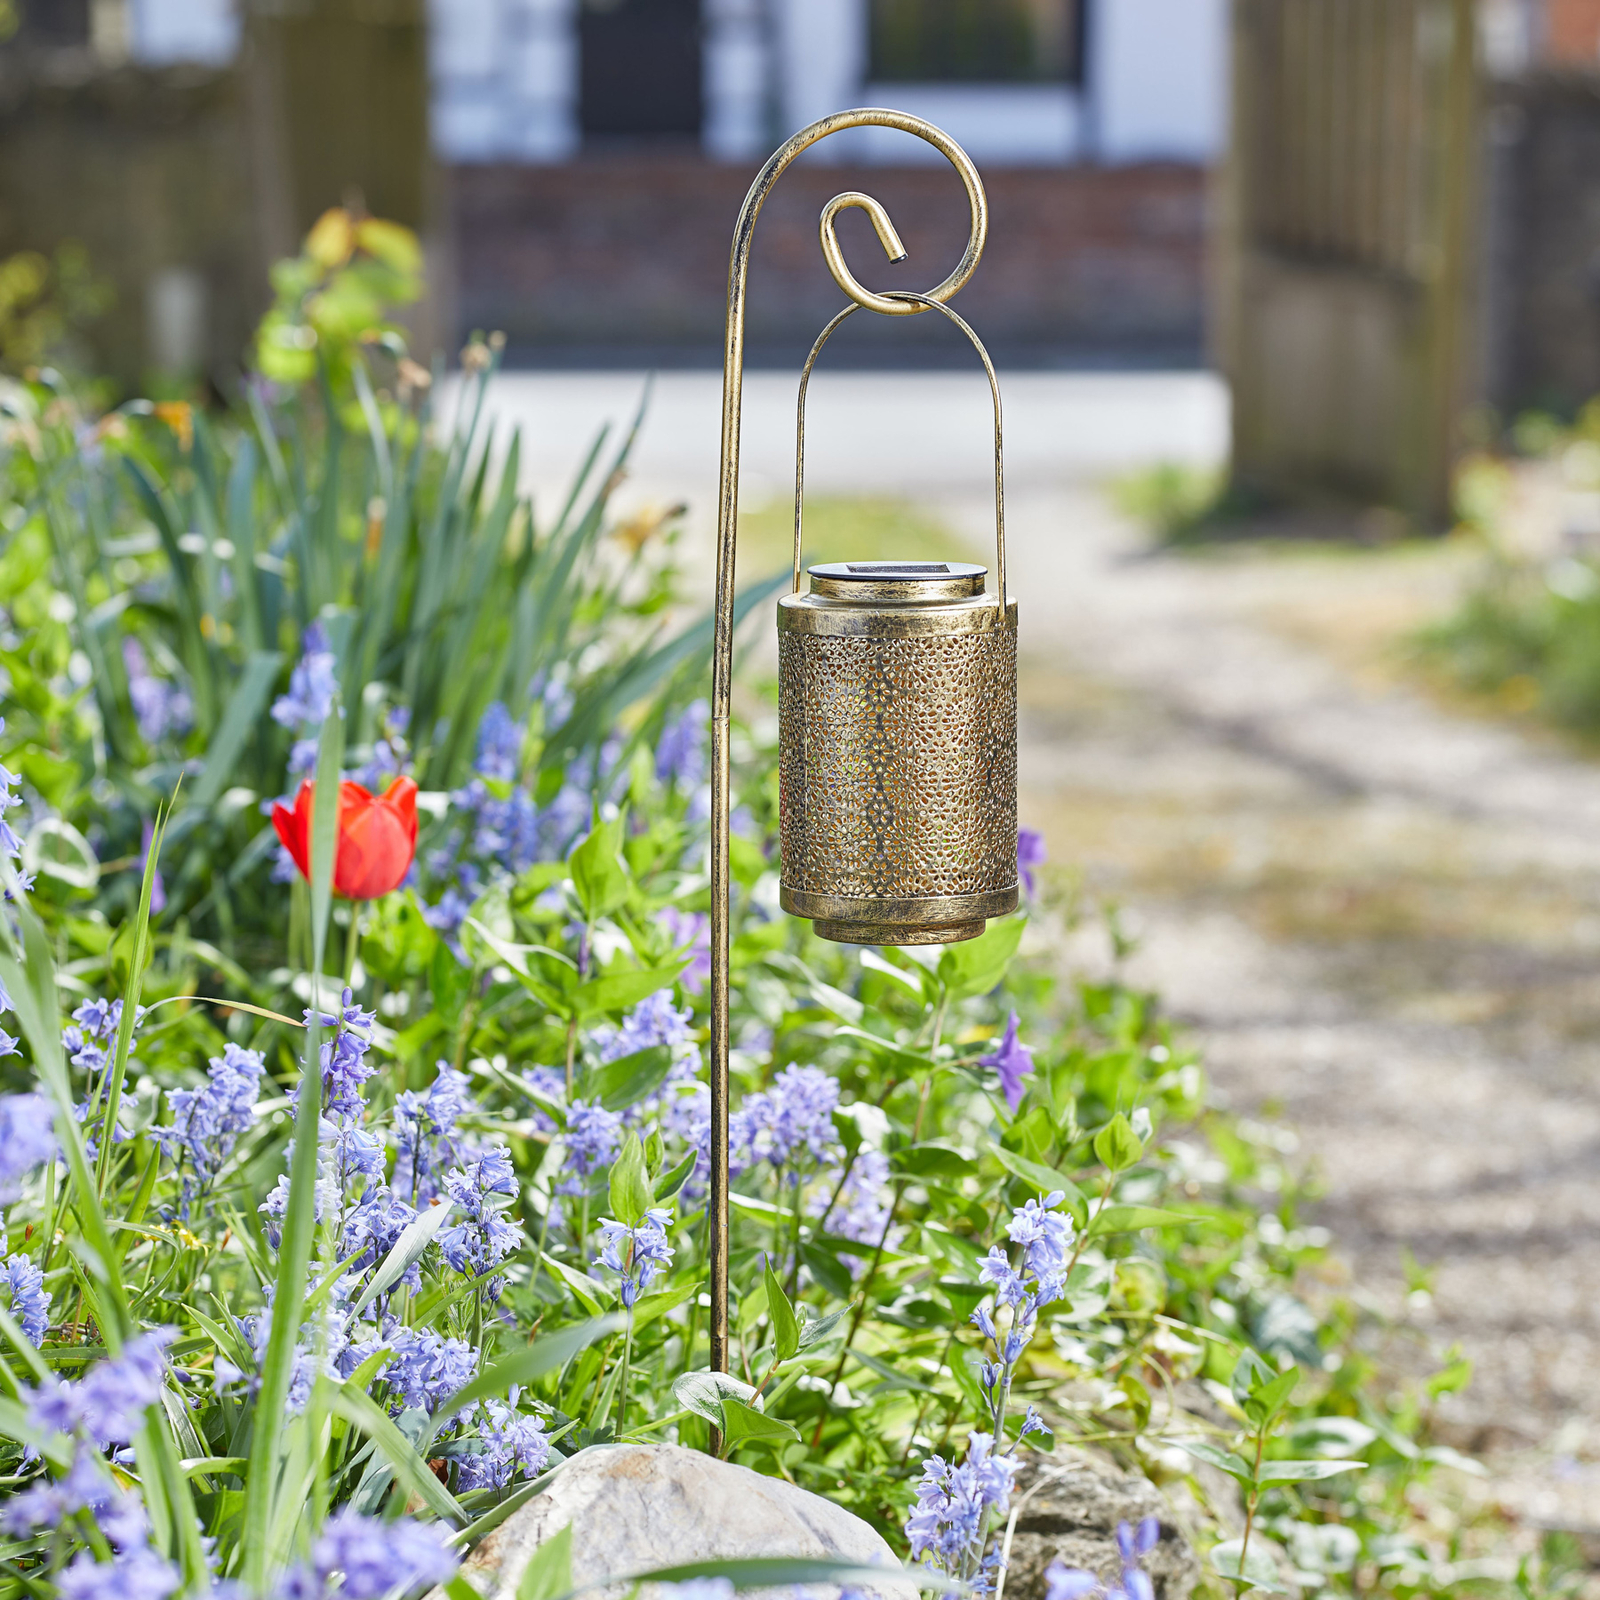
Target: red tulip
(377, 836)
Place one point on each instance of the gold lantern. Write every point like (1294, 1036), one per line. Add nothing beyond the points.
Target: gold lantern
(897, 718)
(897, 689)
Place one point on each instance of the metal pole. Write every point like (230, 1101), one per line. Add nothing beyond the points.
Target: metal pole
(727, 530)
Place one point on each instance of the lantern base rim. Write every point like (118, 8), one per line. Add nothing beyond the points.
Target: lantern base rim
(930, 919)
(895, 933)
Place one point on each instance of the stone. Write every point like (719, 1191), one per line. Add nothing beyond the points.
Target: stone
(1068, 1511)
(633, 1507)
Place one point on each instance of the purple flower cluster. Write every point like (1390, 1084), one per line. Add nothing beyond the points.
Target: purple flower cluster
(860, 1209)
(425, 1128)
(344, 1059)
(681, 752)
(483, 1188)
(499, 744)
(594, 1136)
(312, 684)
(10, 846)
(106, 1406)
(691, 930)
(27, 1138)
(371, 1556)
(949, 1526)
(134, 1572)
(425, 1369)
(508, 1441)
(789, 1125)
(636, 1255)
(159, 707)
(206, 1122)
(1073, 1583)
(30, 1305)
(1045, 1236)
(88, 1037)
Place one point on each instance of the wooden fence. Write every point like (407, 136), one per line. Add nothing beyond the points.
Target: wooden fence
(1344, 264)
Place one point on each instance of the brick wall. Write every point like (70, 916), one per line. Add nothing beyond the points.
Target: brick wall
(630, 255)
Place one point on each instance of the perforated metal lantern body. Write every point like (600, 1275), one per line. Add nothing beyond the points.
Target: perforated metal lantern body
(897, 713)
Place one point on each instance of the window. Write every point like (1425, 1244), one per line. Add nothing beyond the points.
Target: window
(976, 41)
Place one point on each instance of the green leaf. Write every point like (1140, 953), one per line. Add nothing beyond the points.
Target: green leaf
(975, 966)
(410, 1469)
(616, 991)
(599, 874)
(1259, 1571)
(1117, 1146)
(1272, 1396)
(414, 1239)
(776, 1572)
(742, 1424)
(1129, 1219)
(1234, 1465)
(548, 1573)
(703, 1392)
(936, 1161)
(240, 720)
(630, 1184)
(627, 1080)
(785, 1329)
(651, 1307)
(817, 1329)
(1305, 1471)
(1046, 1179)
(589, 1292)
(669, 1183)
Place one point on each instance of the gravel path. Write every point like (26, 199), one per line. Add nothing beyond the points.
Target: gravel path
(1380, 920)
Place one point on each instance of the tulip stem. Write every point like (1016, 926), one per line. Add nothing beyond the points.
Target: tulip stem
(350, 941)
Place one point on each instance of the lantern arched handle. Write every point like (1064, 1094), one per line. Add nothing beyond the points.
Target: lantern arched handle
(923, 303)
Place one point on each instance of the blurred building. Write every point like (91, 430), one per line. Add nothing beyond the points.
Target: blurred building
(600, 149)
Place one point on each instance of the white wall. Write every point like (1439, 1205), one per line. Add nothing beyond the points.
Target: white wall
(162, 32)
(1158, 79)
(505, 79)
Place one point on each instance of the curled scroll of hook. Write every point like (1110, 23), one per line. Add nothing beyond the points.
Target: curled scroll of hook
(896, 305)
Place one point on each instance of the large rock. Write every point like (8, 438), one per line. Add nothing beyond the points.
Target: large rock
(634, 1507)
(1069, 1511)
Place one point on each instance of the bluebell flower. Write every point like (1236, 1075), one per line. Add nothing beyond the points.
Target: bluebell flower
(27, 1138)
(107, 1404)
(499, 744)
(1044, 1233)
(482, 1188)
(653, 1021)
(426, 1369)
(636, 1255)
(207, 1122)
(8, 1044)
(949, 1523)
(509, 1441)
(425, 1133)
(373, 1555)
(788, 1125)
(1013, 1061)
(1073, 1583)
(343, 1058)
(1031, 853)
(159, 707)
(861, 1207)
(681, 752)
(312, 684)
(691, 929)
(30, 1305)
(141, 1574)
(594, 1136)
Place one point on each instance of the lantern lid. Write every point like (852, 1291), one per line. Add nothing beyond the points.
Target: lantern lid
(911, 581)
